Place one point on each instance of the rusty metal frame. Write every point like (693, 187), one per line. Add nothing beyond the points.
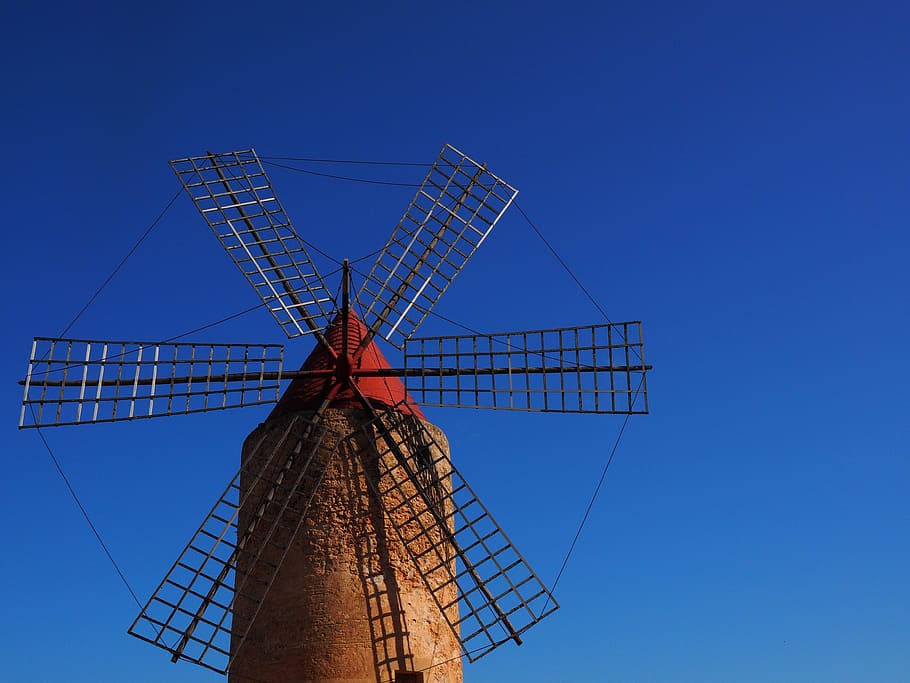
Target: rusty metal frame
(237, 200)
(457, 543)
(192, 612)
(588, 369)
(453, 212)
(80, 381)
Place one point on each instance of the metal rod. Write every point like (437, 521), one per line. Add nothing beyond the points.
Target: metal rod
(345, 306)
(356, 372)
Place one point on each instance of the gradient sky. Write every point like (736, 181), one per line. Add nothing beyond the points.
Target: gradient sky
(734, 177)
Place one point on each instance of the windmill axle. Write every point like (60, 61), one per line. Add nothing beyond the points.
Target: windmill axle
(344, 368)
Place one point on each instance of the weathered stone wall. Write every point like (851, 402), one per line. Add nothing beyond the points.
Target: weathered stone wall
(347, 604)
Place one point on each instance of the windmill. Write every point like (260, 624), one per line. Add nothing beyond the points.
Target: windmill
(347, 519)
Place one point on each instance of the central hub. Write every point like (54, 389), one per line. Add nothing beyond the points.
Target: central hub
(344, 367)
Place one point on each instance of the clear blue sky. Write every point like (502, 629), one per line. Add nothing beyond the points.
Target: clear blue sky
(736, 178)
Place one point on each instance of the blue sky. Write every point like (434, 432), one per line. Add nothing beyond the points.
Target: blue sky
(734, 177)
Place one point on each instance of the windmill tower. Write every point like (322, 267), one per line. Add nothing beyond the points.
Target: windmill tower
(348, 547)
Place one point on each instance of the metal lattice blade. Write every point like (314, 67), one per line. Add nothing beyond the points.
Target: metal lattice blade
(235, 197)
(591, 369)
(204, 607)
(452, 538)
(78, 381)
(452, 213)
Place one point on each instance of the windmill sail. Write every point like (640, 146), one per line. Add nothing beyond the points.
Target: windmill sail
(590, 369)
(204, 607)
(236, 199)
(79, 381)
(482, 585)
(451, 215)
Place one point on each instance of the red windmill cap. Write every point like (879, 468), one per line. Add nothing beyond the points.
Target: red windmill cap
(308, 393)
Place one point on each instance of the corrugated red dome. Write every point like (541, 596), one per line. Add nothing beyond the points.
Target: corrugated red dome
(307, 393)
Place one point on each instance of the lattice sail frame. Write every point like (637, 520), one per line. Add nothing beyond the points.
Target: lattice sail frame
(588, 369)
(453, 212)
(78, 381)
(451, 537)
(194, 614)
(236, 199)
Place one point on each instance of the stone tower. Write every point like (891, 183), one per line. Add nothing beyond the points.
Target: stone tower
(347, 604)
